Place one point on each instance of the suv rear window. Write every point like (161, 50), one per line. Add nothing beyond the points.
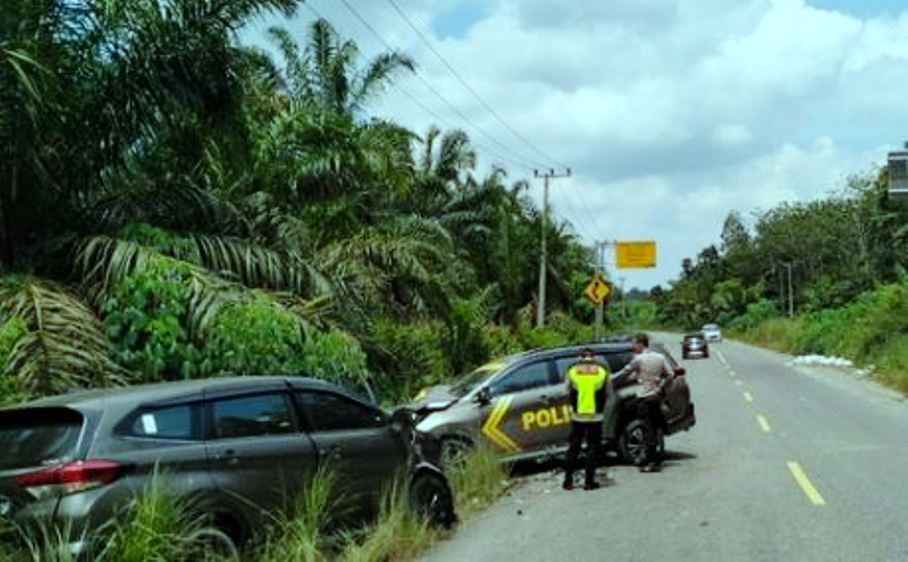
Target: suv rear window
(38, 436)
(170, 422)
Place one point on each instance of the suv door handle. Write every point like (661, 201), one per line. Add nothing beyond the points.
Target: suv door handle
(229, 457)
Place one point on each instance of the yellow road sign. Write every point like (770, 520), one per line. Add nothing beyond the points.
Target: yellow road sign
(598, 291)
(630, 255)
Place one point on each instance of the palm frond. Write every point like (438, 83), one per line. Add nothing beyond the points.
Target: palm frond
(377, 75)
(64, 347)
(103, 263)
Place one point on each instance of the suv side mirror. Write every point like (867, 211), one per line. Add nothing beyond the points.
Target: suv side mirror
(483, 397)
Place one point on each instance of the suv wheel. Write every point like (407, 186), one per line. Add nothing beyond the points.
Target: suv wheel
(430, 497)
(211, 541)
(633, 442)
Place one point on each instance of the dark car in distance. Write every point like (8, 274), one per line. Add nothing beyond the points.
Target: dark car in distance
(239, 447)
(694, 345)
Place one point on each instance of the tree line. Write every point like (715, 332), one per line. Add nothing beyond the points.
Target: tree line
(174, 204)
(795, 258)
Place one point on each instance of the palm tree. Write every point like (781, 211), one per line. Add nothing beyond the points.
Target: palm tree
(324, 73)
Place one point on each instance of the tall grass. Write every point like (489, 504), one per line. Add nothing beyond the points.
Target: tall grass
(873, 329)
(397, 533)
(42, 541)
(156, 526)
(300, 534)
(478, 478)
(160, 526)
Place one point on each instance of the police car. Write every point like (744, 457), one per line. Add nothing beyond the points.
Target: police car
(519, 406)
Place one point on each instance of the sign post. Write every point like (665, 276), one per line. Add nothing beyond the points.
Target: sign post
(598, 291)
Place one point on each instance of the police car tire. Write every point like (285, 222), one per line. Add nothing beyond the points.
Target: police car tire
(453, 449)
(632, 442)
(430, 497)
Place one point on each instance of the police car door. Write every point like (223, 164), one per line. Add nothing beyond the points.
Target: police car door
(526, 413)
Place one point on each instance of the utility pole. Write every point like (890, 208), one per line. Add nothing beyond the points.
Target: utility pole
(543, 258)
(623, 300)
(600, 308)
(790, 293)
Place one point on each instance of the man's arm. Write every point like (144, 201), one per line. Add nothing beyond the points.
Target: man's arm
(630, 370)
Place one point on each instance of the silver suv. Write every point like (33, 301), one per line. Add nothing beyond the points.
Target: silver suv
(239, 446)
(519, 406)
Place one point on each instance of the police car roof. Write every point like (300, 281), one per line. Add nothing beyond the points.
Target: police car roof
(576, 349)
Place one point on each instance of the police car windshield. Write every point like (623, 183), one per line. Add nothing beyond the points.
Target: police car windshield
(468, 382)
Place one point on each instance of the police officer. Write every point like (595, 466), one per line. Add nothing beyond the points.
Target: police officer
(587, 383)
(651, 370)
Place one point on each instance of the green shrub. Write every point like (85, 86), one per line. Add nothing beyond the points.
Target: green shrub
(11, 389)
(774, 333)
(145, 318)
(464, 344)
(411, 357)
(337, 357)
(255, 336)
(756, 313)
(500, 340)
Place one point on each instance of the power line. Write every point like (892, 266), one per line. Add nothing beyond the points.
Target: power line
(578, 222)
(469, 88)
(515, 158)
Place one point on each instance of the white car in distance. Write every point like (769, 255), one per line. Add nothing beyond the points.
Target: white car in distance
(711, 332)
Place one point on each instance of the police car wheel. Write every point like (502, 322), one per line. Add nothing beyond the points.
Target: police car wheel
(633, 442)
(453, 450)
(430, 497)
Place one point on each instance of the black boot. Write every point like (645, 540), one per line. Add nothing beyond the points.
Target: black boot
(568, 483)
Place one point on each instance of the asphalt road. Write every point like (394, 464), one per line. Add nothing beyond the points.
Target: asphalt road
(785, 463)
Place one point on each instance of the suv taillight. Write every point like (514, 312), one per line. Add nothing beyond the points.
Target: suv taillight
(71, 477)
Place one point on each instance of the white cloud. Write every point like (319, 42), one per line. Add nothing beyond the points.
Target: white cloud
(671, 112)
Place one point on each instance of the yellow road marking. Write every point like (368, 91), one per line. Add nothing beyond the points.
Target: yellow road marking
(748, 397)
(732, 373)
(806, 485)
(739, 383)
(764, 424)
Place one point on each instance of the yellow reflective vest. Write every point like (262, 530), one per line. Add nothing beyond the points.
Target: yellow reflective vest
(587, 384)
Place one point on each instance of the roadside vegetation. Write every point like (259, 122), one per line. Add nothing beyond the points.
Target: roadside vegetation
(847, 295)
(160, 526)
(175, 203)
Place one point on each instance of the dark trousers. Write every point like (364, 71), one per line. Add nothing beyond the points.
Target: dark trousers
(650, 409)
(592, 432)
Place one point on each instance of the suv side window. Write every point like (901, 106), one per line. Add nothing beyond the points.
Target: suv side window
(325, 411)
(169, 422)
(248, 416)
(529, 376)
(617, 361)
(562, 364)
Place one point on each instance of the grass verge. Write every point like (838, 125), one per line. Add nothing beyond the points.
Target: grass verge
(158, 525)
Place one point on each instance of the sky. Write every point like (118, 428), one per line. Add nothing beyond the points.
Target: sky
(670, 113)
